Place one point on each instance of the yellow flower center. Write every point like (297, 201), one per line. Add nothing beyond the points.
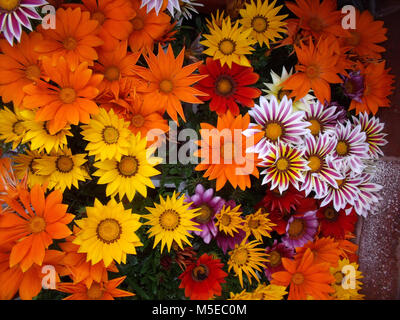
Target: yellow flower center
(338, 277)
(137, 23)
(95, 292)
(110, 135)
(313, 72)
(18, 128)
(224, 86)
(282, 164)
(70, 43)
(99, 16)
(340, 182)
(64, 164)
(240, 256)
(342, 148)
(259, 24)
(315, 163)
(166, 86)
(316, 24)
(112, 73)
(32, 72)
(9, 5)
(137, 120)
(169, 220)
(273, 131)
(225, 220)
(67, 95)
(205, 215)
(253, 223)
(296, 228)
(200, 273)
(108, 231)
(227, 46)
(275, 258)
(298, 278)
(37, 224)
(330, 214)
(128, 166)
(315, 127)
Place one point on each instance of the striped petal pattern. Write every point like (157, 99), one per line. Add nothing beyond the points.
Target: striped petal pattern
(322, 119)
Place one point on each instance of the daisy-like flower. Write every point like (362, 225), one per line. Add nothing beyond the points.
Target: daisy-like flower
(268, 292)
(258, 224)
(264, 21)
(169, 82)
(347, 282)
(275, 123)
(300, 229)
(75, 38)
(229, 43)
(322, 118)
(316, 152)
(324, 250)
(275, 254)
(24, 164)
(63, 168)
(368, 195)
(108, 136)
(351, 147)
(202, 279)
(131, 173)
(373, 129)
(275, 88)
(229, 220)
(68, 99)
(305, 278)
(284, 165)
(209, 205)
(106, 290)
(171, 221)
(16, 13)
(247, 258)
(228, 86)
(108, 233)
(32, 222)
(12, 126)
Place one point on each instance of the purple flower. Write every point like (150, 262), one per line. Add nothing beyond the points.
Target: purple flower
(276, 252)
(300, 229)
(354, 86)
(13, 14)
(209, 207)
(226, 242)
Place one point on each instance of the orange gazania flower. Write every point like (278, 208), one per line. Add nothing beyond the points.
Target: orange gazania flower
(74, 38)
(169, 82)
(105, 290)
(317, 68)
(147, 28)
(115, 65)
(324, 250)
(378, 86)
(34, 222)
(223, 152)
(19, 66)
(67, 102)
(114, 19)
(305, 278)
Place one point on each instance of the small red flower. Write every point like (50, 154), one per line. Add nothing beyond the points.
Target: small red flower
(227, 87)
(202, 279)
(336, 223)
(285, 202)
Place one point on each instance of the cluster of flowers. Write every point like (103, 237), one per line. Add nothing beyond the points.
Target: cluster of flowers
(84, 96)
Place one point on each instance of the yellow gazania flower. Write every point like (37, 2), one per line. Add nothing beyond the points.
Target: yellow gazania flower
(268, 292)
(108, 233)
(258, 224)
(170, 221)
(245, 258)
(108, 136)
(132, 173)
(12, 126)
(229, 43)
(263, 20)
(346, 287)
(24, 165)
(63, 168)
(229, 220)
(39, 136)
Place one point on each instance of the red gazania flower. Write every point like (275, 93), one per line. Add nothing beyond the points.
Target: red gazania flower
(202, 279)
(336, 223)
(275, 201)
(226, 87)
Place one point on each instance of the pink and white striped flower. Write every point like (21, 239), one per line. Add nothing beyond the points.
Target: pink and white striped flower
(275, 122)
(368, 197)
(317, 152)
(351, 147)
(16, 13)
(373, 130)
(321, 118)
